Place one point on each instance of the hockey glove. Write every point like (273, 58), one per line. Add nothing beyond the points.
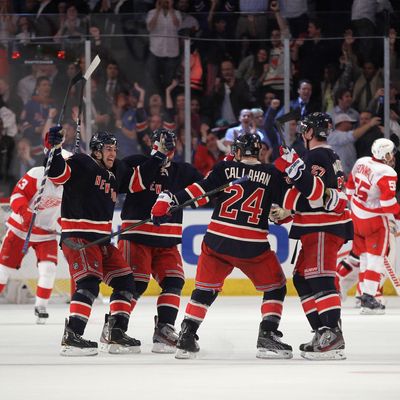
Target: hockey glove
(229, 157)
(160, 211)
(290, 163)
(164, 147)
(26, 215)
(54, 137)
(335, 200)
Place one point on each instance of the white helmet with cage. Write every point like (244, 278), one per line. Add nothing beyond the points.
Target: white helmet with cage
(383, 150)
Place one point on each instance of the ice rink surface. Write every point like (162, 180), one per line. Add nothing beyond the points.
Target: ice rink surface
(226, 368)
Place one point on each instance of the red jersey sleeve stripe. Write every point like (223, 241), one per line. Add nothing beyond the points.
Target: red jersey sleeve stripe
(61, 179)
(290, 199)
(136, 182)
(196, 190)
(317, 190)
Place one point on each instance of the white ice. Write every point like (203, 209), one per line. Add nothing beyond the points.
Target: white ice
(226, 368)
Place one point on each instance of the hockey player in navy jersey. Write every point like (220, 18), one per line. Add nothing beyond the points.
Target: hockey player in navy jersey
(237, 236)
(90, 191)
(322, 224)
(152, 250)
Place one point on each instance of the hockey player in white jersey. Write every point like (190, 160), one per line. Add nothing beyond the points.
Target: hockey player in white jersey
(43, 238)
(372, 188)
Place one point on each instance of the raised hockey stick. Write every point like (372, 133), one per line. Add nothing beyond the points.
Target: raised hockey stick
(75, 79)
(92, 67)
(279, 122)
(76, 246)
(392, 276)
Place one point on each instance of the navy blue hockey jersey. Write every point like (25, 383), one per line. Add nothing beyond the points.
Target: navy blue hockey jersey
(323, 170)
(147, 182)
(239, 223)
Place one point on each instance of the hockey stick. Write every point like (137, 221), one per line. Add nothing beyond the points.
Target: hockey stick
(279, 122)
(75, 79)
(392, 276)
(76, 246)
(92, 67)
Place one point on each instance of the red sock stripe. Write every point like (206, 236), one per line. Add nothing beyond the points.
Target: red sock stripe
(326, 303)
(309, 305)
(169, 300)
(372, 276)
(196, 311)
(120, 306)
(271, 307)
(43, 293)
(81, 309)
(133, 304)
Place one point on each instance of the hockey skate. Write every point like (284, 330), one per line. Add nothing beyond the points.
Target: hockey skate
(187, 345)
(309, 347)
(115, 340)
(74, 345)
(41, 314)
(164, 338)
(269, 345)
(370, 305)
(327, 344)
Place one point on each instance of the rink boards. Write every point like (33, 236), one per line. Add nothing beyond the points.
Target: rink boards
(194, 227)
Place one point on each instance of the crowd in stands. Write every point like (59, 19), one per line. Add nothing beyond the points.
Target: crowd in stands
(237, 73)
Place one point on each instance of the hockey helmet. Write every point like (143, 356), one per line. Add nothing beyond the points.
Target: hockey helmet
(99, 139)
(249, 145)
(383, 149)
(320, 122)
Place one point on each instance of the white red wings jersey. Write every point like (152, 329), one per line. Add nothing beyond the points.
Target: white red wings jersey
(25, 194)
(372, 187)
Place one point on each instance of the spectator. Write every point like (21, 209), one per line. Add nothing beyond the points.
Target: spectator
(7, 22)
(25, 34)
(273, 74)
(267, 99)
(189, 26)
(251, 69)
(295, 12)
(10, 98)
(113, 82)
(9, 124)
(303, 103)
(364, 143)
(247, 125)
(366, 85)
(26, 85)
(97, 46)
(156, 105)
(329, 85)
(343, 137)
(230, 94)
(24, 160)
(252, 22)
(265, 153)
(7, 145)
(45, 19)
(343, 101)
(207, 153)
(163, 24)
(312, 55)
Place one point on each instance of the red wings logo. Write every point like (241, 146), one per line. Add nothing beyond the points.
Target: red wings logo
(49, 202)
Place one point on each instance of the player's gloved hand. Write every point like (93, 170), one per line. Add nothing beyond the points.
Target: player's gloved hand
(160, 210)
(26, 215)
(229, 157)
(53, 137)
(335, 200)
(279, 215)
(290, 163)
(164, 146)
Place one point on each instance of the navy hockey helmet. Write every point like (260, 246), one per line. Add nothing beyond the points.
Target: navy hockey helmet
(249, 145)
(320, 122)
(99, 139)
(162, 133)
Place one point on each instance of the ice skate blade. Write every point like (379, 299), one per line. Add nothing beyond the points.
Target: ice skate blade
(185, 355)
(274, 354)
(41, 321)
(71, 351)
(114, 348)
(369, 311)
(163, 348)
(324, 356)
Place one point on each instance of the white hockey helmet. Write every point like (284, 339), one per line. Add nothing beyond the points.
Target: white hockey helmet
(383, 149)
